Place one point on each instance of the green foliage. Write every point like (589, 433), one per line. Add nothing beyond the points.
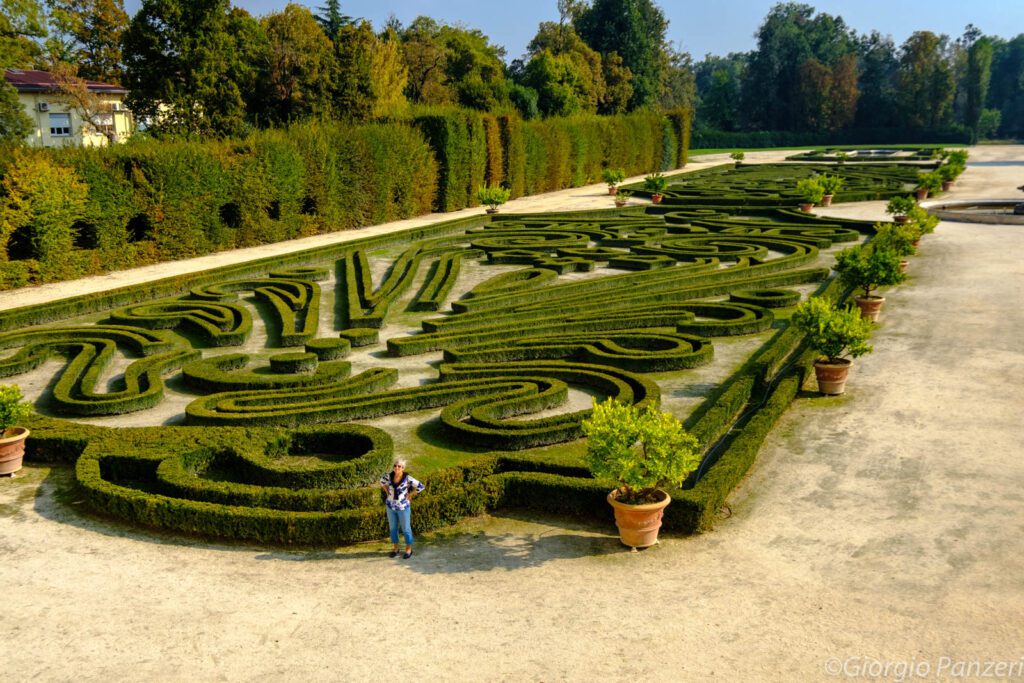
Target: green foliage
(15, 124)
(641, 449)
(831, 184)
(655, 183)
(623, 196)
(924, 222)
(869, 268)
(931, 181)
(42, 202)
(613, 176)
(810, 190)
(88, 34)
(900, 206)
(738, 156)
(301, 68)
(896, 238)
(13, 409)
(492, 196)
(832, 331)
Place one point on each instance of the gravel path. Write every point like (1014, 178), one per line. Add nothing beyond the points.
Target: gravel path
(885, 526)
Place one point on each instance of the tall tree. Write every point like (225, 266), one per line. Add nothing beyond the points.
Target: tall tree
(180, 57)
(22, 23)
(371, 76)
(718, 81)
(878, 64)
(635, 29)
(1006, 91)
(979, 73)
(88, 34)
(790, 35)
(301, 66)
(925, 81)
(680, 86)
(332, 20)
(566, 73)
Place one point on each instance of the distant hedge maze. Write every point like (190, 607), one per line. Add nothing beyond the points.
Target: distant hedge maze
(518, 317)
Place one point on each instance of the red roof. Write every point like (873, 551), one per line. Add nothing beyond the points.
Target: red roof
(25, 80)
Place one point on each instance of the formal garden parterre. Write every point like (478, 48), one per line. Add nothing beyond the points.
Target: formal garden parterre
(269, 395)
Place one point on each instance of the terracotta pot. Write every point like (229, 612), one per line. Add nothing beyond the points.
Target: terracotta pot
(806, 207)
(917, 242)
(826, 200)
(620, 203)
(947, 185)
(492, 211)
(870, 306)
(922, 194)
(639, 524)
(12, 450)
(832, 376)
(904, 264)
(656, 198)
(901, 219)
(613, 190)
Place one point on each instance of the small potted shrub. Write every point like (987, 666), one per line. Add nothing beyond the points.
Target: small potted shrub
(899, 238)
(622, 198)
(656, 184)
(613, 176)
(738, 157)
(642, 450)
(922, 220)
(810, 192)
(841, 157)
(492, 196)
(830, 184)
(948, 173)
(868, 268)
(840, 335)
(928, 183)
(12, 440)
(900, 208)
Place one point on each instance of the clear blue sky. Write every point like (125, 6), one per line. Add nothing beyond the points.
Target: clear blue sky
(697, 26)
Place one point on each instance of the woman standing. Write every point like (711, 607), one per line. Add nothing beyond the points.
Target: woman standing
(399, 489)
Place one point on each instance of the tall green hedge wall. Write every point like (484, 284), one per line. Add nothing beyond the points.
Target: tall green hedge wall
(156, 201)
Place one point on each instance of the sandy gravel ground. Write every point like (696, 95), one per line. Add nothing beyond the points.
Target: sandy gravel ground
(883, 527)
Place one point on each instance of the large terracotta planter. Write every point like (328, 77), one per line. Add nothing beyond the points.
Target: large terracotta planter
(12, 450)
(639, 524)
(946, 185)
(870, 306)
(656, 198)
(922, 195)
(832, 376)
(613, 190)
(806, 207)
(901, 219)
(619, 203)
(826, 200)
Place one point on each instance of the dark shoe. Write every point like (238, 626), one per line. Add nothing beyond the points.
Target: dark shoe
(393, 553)
(407, 555)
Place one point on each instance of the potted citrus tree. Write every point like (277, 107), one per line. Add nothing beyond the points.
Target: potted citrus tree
(738, 157)
(643, 450)
(928, 183)
(12, 440)
(869, 268)
(899, 238)
(810, 192)
(656, 184)
(622, 198)
(613, 176)
(900, 208)
(839, 334)
(492, 196)
(830, 185)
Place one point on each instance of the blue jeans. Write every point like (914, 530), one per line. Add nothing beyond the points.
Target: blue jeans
(403, 518)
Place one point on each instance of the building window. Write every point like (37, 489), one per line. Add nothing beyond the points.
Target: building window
(60, 125)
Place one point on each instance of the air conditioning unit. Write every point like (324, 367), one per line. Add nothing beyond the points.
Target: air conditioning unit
(43, 106)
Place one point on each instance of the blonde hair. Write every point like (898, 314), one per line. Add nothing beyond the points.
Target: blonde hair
(399, 461)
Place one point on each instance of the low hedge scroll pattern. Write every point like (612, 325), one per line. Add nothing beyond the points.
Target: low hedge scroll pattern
(516, 315)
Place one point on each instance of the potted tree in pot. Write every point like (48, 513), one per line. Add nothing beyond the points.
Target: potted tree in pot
(642, 450)
(622, 198)
(899, 238)
(839, 334)
(900, 208)
(738, 157)
(830, 184)
(868, 268)
(656, 184)
(810, 192)
(12, 438)
(492, 196)
(613, 176)
(928, 183)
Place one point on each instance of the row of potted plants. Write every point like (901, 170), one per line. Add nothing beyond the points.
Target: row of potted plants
(818, 189)
(655, 183)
